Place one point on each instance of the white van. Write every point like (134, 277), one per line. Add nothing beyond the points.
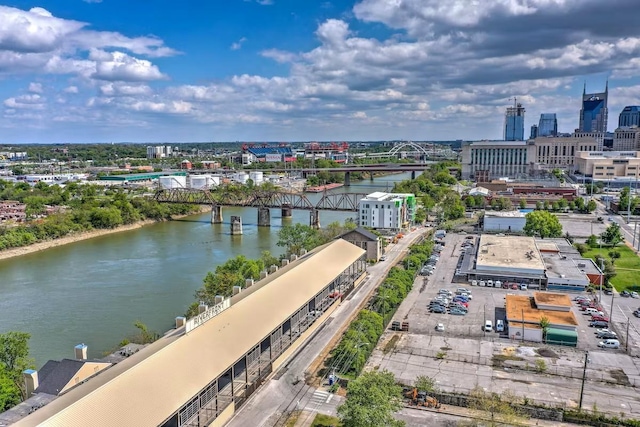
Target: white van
(488, 326)
(482, 283)
(490, 283)
(591, 310)
(499, 325)
(474, 283)
(610, 343)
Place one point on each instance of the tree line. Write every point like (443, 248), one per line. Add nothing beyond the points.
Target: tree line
(77, 208)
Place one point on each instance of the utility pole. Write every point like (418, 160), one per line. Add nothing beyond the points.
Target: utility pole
(626, 340)
(584, 377)
(601, 279)
(611, 312)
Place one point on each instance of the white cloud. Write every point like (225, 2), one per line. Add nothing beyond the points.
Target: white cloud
(32, 101)
(114, 66)
(279, 55)
(35, 87)
(92, 1)
(237, 45)
(71, 89)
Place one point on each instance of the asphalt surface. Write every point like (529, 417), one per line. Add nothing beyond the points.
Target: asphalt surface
(285, 391)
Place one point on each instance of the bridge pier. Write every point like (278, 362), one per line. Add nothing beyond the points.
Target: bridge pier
(216, 214)
(347, 179)
(314, 218)
(236, 225)
(264, 217)
(413, 174)
(286, 211)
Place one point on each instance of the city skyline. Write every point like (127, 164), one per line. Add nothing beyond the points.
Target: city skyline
(280, 70)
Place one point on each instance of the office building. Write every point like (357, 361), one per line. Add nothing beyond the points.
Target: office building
(486, 160)
(559, 152)
(609, 165)
(534, 132)
(630, 116)
(159, 151)
(626, 139)
(387, 210)
(548, 125)
(594, 111)
(514, 123)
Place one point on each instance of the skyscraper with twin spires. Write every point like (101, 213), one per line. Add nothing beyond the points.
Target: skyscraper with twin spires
(594, 112)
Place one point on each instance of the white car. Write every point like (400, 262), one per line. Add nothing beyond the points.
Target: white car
(440, 327)
(610, 343)
(474, 283)
(488, 326)
(634, 294)
(604, 331)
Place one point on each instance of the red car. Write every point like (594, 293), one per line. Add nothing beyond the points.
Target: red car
(514, 286)
(600, 318)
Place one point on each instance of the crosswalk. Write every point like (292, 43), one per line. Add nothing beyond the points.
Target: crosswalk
(320, 397)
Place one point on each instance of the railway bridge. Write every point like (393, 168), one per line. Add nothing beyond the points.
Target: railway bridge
(263, 201)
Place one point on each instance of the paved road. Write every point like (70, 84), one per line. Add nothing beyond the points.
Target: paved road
(284, 391)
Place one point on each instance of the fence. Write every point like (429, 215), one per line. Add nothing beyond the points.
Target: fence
(601, 373)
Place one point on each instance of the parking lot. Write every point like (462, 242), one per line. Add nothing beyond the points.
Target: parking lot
(464, 355)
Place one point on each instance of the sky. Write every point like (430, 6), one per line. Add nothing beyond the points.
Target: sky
(82, 71)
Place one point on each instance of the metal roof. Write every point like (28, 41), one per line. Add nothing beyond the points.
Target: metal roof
(148, 387)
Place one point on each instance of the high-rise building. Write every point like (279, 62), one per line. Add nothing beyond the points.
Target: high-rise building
(534, 132)
(594, 112)
(548, 125)
(627, 139)
(630, 116)
(514, 123)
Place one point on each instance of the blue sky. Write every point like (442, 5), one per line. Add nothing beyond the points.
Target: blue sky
(291, 70)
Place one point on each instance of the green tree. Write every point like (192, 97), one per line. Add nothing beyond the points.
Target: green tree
(523, 203)
(501, 408)
(297, 237)
(592, 241)
(10, 393)
(424, 383)
(614, 255)
(612, 235)
(591, 206)
(544, 325)
(543, 224)
(371, 401)
(14, 358)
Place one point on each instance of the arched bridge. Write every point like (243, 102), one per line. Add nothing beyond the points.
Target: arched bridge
(263, 201)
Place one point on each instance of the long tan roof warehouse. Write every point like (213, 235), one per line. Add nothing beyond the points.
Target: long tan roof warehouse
(150, 387)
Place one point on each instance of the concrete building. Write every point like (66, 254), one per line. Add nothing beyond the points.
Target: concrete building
(543, 263)
(485, 160)
(159, 151)
(608, 165)
(388, 211)
(559, 152)
(366, 240)
(504, 221)
(630, 116)
(203, 371)
(626, 139)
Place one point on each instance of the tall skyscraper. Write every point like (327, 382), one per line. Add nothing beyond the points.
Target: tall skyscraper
(594, 112)
(534, 132)
(514, 123)
(548, 125)
(630, 116)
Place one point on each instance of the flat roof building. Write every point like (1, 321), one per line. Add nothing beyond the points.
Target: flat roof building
(509, 255)
(201, 375)
(608, 165)
(504, 221)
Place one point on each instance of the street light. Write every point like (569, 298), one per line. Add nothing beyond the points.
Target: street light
(584, 377)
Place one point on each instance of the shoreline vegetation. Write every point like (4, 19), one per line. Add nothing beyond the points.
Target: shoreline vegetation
(85, 235)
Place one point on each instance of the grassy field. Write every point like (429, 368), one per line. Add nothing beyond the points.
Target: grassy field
(322, 420)
(627, 267)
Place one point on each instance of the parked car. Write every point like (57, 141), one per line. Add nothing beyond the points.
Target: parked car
(636, 313)
(581, 298)
(598, 317)
(463, 290)
(625, 294)
(499, 325)
(609, 343)
(482, 283)
(601, 332)
(505, 285)
(457, 312)
(498, 284)
(514, 286)
(523, 286)
(383, 258)
(466, 295)
(464, 305)
(488, 326)
(634, 294)
(608, 291)
(490, 283)
(608, 336)
(440, 327)
(474, 283)
(598, 324)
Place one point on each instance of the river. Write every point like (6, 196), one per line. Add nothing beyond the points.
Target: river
(93, 291)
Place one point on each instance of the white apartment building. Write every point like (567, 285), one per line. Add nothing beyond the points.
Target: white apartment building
(159, 151)
(386, 210)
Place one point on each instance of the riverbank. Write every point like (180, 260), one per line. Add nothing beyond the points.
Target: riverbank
(77, 237)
